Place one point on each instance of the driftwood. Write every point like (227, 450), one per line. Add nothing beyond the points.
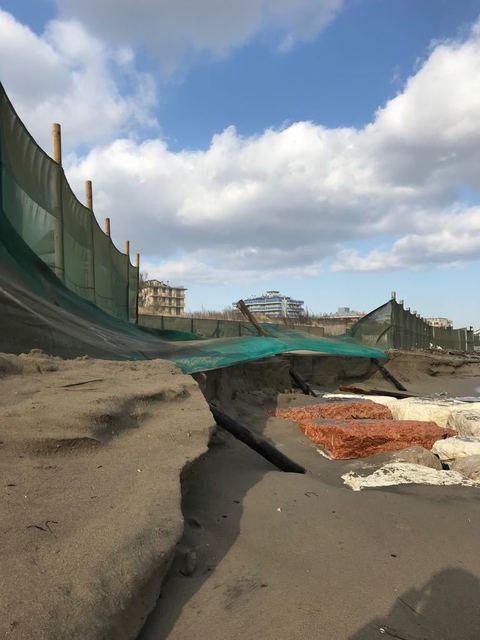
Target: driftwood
(256, 442)
(388, 376)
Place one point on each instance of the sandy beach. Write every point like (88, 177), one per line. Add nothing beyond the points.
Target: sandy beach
(293, 556)
(117, 488)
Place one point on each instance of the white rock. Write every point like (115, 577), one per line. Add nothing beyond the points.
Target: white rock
(466, 421)
(457, 447)
(406, 473)
(426, 409)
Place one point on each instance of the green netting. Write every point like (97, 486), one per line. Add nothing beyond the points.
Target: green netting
(391, 326)
(43, 210)
(82, 311)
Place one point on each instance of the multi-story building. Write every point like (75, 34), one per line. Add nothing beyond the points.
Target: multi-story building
(443, 323)
(162, 298)
(275, 305)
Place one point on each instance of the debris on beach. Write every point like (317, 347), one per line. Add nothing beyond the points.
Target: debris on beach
(397, 473)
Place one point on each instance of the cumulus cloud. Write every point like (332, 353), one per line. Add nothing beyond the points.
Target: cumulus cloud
(283, 201)
(173, 29)
(454, 238)
(66, 75)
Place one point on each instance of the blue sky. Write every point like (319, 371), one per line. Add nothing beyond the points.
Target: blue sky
(286, 199)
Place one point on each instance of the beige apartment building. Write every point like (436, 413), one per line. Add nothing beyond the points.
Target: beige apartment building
(443, 323)
(161, 298)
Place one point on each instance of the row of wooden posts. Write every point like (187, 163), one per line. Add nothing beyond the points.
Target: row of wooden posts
(58, 233)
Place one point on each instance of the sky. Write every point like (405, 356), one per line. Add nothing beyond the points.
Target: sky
(329, 149)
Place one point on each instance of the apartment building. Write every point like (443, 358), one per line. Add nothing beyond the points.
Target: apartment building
(275, 305)
(162, 298)
(443, 323)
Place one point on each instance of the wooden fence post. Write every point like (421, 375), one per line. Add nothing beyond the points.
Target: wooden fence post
(127, 252)
(58, 235)
(137, 264)
(91, 262)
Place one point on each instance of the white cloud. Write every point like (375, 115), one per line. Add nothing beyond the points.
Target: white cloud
(281, 202)
(173, 29)
(454, 239)
(67, 76)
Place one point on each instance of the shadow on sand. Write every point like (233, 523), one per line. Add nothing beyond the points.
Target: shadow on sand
(447, 607)
(213, 489)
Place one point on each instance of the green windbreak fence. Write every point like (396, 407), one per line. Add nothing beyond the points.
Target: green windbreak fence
(391, 326)
(41, 207)
(65, 289)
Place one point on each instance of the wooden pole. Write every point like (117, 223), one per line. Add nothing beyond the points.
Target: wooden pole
(250, 317)
(106, 227)
(137, 265)
(91, 265)
(256, 442)
(127, 253)
(57, 143)
(58, 235)
(89, 194)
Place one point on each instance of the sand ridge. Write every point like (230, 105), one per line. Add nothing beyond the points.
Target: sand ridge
(91, 455)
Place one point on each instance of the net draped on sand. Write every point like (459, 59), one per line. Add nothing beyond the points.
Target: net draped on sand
(89, 308)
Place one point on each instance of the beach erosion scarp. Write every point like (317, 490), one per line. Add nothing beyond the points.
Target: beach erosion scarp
(92, 453)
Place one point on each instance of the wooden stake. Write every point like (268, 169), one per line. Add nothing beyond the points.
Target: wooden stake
(250, 317)
(58, 234)
(89, 194)
(57, 143)
(137, 265)
(106, 227)
(89, 205)
(127, 275)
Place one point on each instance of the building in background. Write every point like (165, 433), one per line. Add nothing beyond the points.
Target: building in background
(275, 305)
(161, 298)
(443, 323)
(347, 313)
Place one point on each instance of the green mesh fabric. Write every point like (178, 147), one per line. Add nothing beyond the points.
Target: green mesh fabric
(36, 197)
(84, 311)
(391, 326)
